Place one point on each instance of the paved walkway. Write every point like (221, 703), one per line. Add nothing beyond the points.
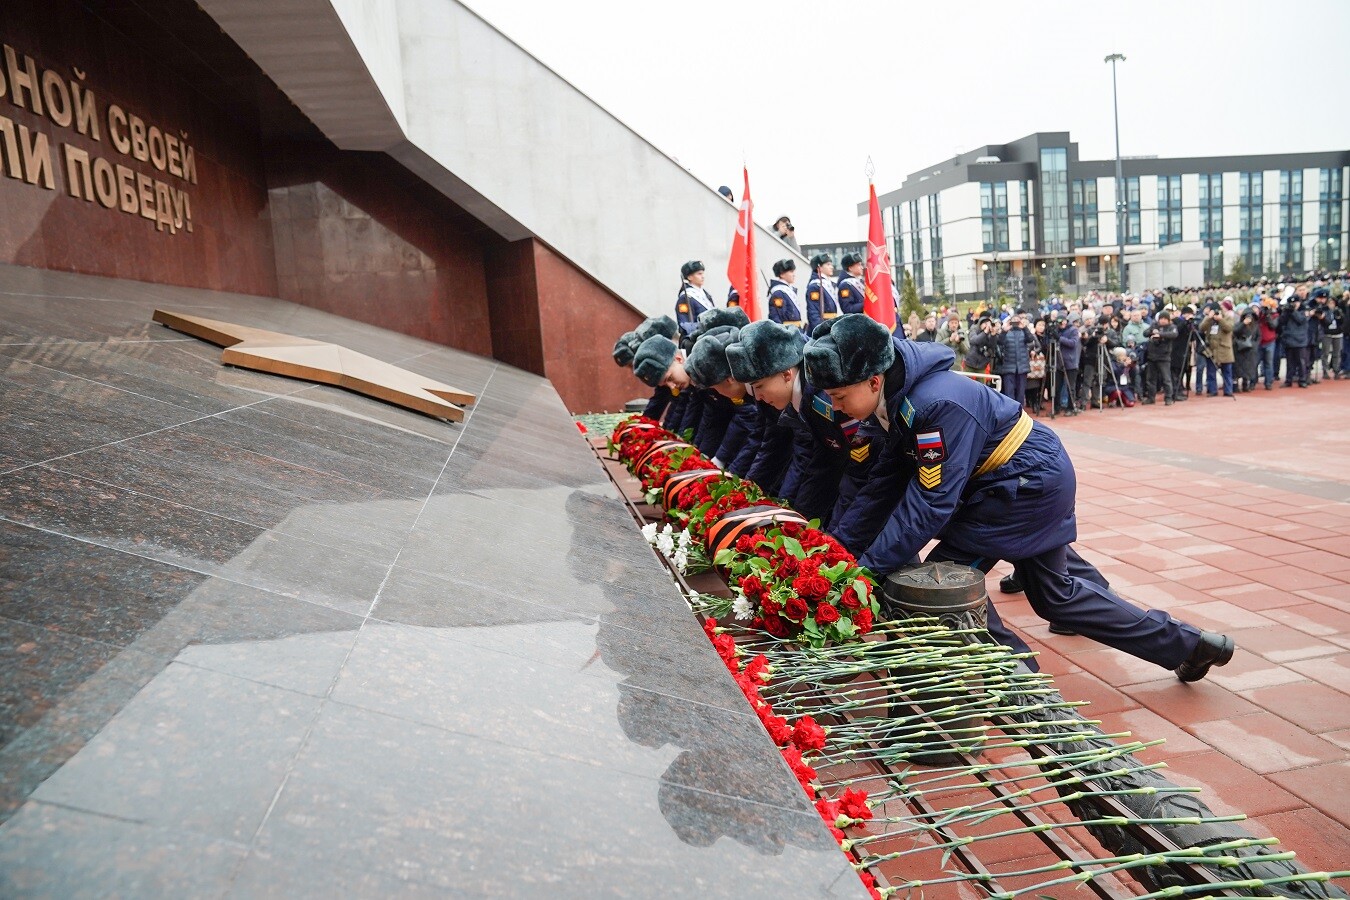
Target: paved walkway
(1232, 515)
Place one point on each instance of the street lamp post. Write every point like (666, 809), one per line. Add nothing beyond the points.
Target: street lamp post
(1120, 177)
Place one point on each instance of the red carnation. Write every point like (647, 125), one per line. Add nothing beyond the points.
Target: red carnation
(829, 811)
(757, 622)
(807, 735)
(749, 688)
(778, 729)
(849, 599)
(862, 619)
(854, 804)
(775, 626)
(825, 614)
(805, 774)
(709, 625)
(758, 668)
(795, 609)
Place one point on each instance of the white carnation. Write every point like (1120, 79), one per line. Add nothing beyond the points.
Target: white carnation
(743, 608)
(649, 532)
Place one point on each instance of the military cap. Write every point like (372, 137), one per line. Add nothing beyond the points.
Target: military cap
(764, 348)
(707, 363)
(662, 325)
(820, 259)
(653, 359)
(690, 268)
(853, 349)
(625, 347)
(784, 265)
(850, 260)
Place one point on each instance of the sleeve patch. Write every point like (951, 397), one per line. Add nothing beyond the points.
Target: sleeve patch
(930, 477)
(845, 292)
(823, 406)
(929, 447)
(815, 295)
(860, 454)
(683, 307)
(778, 301)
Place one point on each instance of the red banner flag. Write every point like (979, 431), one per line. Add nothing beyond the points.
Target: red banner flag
(879, 292)
(741, 267)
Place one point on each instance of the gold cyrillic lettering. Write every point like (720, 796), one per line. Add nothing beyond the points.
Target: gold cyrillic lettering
(163, 208)
(189, 168)
(157, 153)
(23, 80)
(57, 97)
(117, 123)
(79, 183)
(146, 187)
(12, 167)
(105, 183)
(182, 209)
(86, 116)
(37, 158)
(126, 185)
(138, 148)
(171, 147)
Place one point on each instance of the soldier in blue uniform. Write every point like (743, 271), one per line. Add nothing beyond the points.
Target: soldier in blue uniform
(783, 296)
(665, 406)
(821, 300)
(991, 484)
(707, 366)
(834, 454)
(693, 300)
(851, 287)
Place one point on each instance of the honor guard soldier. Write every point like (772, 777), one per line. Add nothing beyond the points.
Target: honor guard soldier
(831, 442)
(715, 410)
(821, 301)
(991, 484)
(851, 287)
(783, 296)
(693, 299)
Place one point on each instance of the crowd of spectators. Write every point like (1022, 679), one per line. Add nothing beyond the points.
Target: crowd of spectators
(1066, 355)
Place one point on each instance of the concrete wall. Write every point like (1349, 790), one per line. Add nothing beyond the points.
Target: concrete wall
(497, 132)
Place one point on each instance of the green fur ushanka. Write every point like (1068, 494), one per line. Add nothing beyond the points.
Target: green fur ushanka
(852, 349)
(764, 348)
(653, 358)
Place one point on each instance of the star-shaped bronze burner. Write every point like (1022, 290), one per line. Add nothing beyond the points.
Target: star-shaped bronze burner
(297, 357)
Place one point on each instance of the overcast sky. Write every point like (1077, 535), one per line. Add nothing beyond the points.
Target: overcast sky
(806, 92)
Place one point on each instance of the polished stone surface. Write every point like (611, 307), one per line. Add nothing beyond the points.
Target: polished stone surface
(266, 638)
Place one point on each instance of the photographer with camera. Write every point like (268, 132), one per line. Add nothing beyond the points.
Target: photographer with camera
(1158, 370)
(1331, 327)
(785, 230)
(1182, 353)
(1095, 369)
(1246, 336)
(952, 335)
(1216, 329)
(1069, 341)
(983, 346)
(1015, 343)
(1294, 329)
(1268, 319)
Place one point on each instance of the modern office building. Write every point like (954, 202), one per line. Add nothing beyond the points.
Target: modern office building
(993, 219)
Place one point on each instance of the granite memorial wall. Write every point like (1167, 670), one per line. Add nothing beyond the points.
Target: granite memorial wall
(137, 141)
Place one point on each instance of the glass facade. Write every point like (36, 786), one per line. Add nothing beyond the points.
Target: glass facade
(1055, 200)
(1250, 215)
(1085, 212)
(916, 244)
(1134, 232)
(1024, 193)
(994, 215)
(935, 239)
(1330, 193)
(1211, 223)
(1291, 220)
(1169, 210)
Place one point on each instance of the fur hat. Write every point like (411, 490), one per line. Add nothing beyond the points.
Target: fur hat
(764, 348)
(662, 325)
(625, 347)
(707, 363)
(855, 348)
(714, 318)
(850, 259)
(653, 358)
(784, 265)
(690, 268)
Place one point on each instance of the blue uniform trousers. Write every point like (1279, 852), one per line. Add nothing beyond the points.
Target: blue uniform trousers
(1065, 589)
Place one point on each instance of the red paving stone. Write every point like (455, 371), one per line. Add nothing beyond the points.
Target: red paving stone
(1269, 734)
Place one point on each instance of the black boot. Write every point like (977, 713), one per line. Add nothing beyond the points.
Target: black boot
(1009, 584)
(1213, 650)
(1060, 629)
